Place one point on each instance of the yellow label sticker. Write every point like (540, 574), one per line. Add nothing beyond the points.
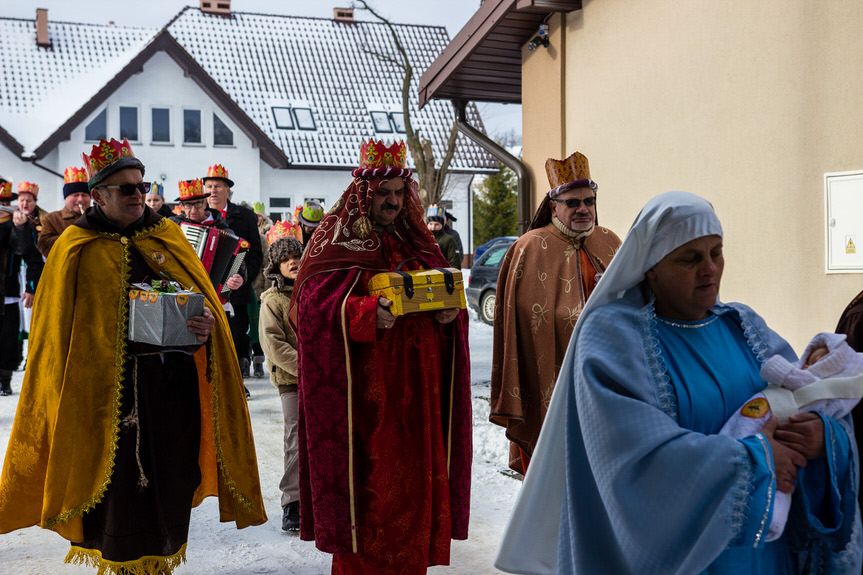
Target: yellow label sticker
(755, 408)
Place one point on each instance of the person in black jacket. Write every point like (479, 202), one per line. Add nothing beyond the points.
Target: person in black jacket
(14, 248)
(244, 223)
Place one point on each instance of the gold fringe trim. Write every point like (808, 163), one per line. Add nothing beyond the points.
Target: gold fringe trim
(147, 565)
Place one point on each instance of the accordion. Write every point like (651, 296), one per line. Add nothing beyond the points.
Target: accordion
(221, 251)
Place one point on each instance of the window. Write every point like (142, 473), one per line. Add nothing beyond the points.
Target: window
(398, 121)
(192, 127)
(222, 134)
(305, 119)
(494, 256)
(97, 129)
(381, 122)
(161, 123)
(280, 202)
(129, 123)
(282, 117)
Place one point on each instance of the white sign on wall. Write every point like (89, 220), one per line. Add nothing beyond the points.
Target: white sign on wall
(843, 192)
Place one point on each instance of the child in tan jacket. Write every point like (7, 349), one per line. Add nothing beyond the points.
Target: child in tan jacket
(279, 343)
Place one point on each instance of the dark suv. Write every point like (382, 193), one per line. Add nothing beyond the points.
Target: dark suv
(482, 287)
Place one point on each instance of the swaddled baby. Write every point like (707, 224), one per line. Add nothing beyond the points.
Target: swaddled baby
(827, 356)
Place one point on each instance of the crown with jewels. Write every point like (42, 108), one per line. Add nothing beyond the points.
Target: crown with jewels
(377, 159)
(6, 191)
(74, 174)
(191, 190)
(29, 188)
(282, 229)
(108, 157)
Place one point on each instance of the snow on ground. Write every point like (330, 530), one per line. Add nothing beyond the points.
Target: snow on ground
(220, 548)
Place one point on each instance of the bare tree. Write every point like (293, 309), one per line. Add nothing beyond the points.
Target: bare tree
(430, 179)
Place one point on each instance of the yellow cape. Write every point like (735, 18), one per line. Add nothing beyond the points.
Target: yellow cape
(61, 451)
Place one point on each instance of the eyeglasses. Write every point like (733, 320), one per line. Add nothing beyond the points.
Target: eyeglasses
(129, 189)
(193, 204)
(573, 203)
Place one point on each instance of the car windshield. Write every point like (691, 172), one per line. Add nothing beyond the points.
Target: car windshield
(493, 257)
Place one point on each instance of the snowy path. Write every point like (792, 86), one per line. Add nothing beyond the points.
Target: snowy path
(221, 548)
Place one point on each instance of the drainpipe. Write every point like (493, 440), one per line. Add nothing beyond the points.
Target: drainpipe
(507, 159)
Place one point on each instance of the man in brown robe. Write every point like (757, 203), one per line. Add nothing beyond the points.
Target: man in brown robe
(544, 282)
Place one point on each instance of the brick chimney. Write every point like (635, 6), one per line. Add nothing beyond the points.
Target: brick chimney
(218, 7)
(42, 28)
(343, 14)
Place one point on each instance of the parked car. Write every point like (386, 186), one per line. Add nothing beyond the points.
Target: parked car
(482, 249)
(482, 287)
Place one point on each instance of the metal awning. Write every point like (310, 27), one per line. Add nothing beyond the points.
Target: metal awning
(483, 62)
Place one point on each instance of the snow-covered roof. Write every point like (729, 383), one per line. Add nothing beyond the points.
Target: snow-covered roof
(333, 68)
(341, 72)
(41, 88)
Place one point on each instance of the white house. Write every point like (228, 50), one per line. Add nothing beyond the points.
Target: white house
(282, 102)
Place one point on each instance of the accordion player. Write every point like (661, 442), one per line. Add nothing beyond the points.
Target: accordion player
(221, 251)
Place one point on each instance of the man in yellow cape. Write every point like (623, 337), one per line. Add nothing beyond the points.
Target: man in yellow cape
(115, 441)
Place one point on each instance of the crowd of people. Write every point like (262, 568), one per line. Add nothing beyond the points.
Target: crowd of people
(657, 429)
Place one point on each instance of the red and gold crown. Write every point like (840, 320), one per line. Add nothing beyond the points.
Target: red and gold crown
(218, 171)
(191, 190)
(374, 154)
(283, 229)
(29, 188)
(74, 174)
(109, 157)
(6, 191)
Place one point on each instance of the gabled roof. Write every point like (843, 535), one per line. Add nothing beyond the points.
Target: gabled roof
(483, 62)
(263, 61)
(43, 87)
(247, 63)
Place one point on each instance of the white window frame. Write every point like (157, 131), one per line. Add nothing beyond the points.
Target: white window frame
(170, 141)
(203, 140)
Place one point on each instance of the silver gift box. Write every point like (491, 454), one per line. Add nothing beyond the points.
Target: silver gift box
(160, 318)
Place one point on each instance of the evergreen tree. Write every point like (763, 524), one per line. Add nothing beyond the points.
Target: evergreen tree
(495, 208)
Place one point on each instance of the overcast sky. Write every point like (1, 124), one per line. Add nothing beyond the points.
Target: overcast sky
(452, 14)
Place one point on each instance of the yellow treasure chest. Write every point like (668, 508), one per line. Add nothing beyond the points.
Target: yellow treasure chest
(420, 290)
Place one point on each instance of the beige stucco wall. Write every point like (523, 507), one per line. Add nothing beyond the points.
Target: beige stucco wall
(745, 103)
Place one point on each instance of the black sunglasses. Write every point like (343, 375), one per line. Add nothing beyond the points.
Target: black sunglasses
(129, 189)
(573, 203)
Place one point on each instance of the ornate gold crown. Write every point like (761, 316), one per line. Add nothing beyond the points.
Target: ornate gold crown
(573, 168)
(282, 229)
(374, 154)
(74, 174)
(29, 188)
(191, 189)
(106, 153)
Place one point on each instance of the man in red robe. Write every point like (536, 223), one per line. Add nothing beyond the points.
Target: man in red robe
(384, 401)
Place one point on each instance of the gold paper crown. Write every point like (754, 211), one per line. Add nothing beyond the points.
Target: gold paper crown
(106, 153)
(282, 229)
(374, 154)
(191, 189)
(29, 188)
(6, 191)
(573, 168)
(74, 174)
(217, 171)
